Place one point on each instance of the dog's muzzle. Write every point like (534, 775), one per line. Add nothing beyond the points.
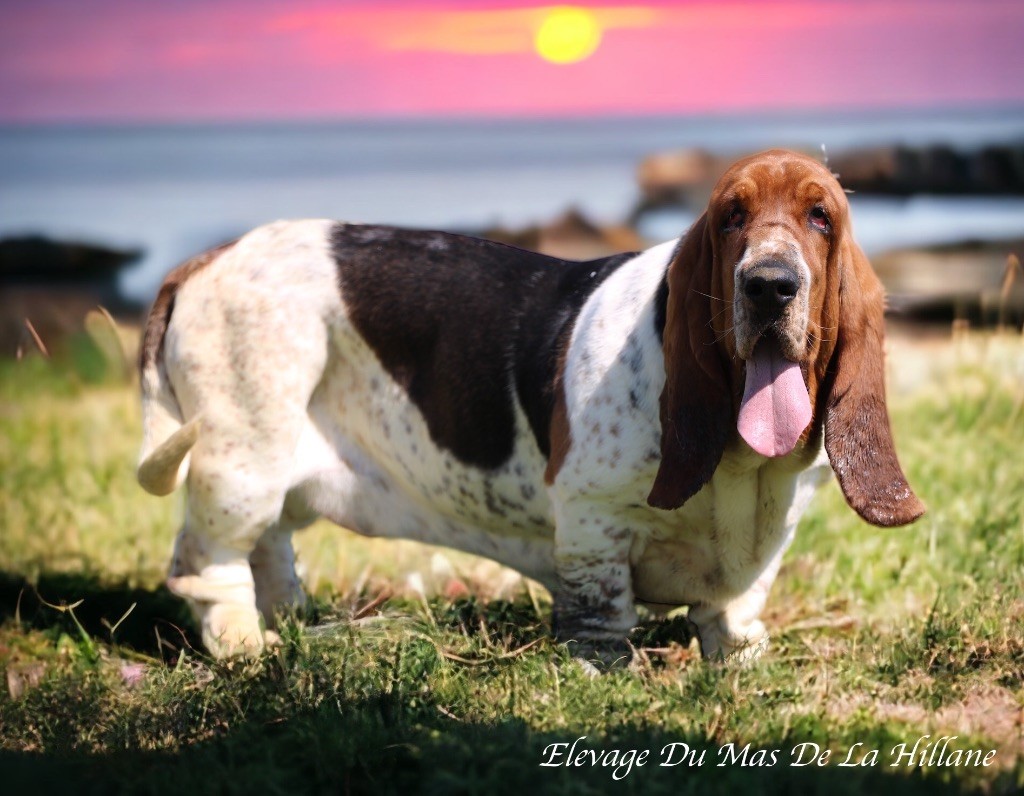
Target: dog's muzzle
(768, 287)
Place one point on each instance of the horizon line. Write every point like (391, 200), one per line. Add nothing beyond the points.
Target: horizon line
(987, 107)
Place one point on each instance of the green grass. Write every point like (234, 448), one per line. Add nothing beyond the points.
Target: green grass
(417, 670)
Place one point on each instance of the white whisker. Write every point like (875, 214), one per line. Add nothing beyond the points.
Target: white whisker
(708, 295)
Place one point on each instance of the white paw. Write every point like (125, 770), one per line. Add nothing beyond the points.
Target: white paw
(232, 631)
(224, 603)
(720, 644)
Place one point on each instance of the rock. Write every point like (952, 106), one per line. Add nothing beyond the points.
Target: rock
(685, 177)
(978, 282)
(672, 177)
(54, 284)
(38, 260)
(938, 169)
(571, 236)
(999, 169)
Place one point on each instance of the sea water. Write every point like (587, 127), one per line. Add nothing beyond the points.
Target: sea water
(174, 190)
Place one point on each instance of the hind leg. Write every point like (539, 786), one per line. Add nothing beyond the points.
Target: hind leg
(227, 519)
(217, 584)
(234, 559)
(246, 359)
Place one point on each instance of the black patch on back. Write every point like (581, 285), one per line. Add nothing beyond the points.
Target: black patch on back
(457, 321)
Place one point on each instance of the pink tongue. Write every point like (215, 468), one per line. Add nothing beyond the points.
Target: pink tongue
(775, 408)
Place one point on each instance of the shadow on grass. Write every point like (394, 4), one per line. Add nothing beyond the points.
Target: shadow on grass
(263, 733)
(376, 746)
(154, 623)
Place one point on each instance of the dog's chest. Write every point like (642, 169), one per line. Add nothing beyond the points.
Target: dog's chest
(716, 545)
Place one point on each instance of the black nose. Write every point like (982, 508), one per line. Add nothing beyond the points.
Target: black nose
(771, 286)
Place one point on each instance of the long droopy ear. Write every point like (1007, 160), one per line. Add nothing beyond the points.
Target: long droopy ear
(696, 402)
(857, 433)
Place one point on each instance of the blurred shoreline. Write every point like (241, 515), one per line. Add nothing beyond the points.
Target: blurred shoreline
(571, 187)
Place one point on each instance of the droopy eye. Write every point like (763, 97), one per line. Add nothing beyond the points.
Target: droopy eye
(819, 219)
(734, 219)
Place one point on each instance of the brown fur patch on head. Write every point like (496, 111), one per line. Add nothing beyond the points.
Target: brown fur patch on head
(784, 201)
(780, 199)
(160, 313)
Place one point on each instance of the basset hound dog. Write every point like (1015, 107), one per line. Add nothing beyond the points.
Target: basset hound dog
(641, 429)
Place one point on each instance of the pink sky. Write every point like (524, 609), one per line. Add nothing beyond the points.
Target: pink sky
(218, 60)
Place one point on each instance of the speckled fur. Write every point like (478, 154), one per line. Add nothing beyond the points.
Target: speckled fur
(299, 419)
(719, 552)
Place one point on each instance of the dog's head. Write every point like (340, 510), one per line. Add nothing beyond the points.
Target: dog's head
(774, 330)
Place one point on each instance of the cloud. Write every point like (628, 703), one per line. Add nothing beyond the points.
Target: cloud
(495, 31)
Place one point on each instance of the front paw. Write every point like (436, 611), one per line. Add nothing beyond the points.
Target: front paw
(594, 645)
(726, 645)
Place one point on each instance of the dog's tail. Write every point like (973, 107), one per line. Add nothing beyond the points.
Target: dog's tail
(163, 468)
(166, 438)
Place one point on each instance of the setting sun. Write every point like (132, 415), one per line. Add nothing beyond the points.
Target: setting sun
(568, 34)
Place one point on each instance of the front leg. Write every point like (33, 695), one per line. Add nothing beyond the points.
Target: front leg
(594, 607)
(734, 630)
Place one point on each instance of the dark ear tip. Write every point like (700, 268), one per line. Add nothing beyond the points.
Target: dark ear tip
(892, 515)
(659, 498)
(669, 494)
